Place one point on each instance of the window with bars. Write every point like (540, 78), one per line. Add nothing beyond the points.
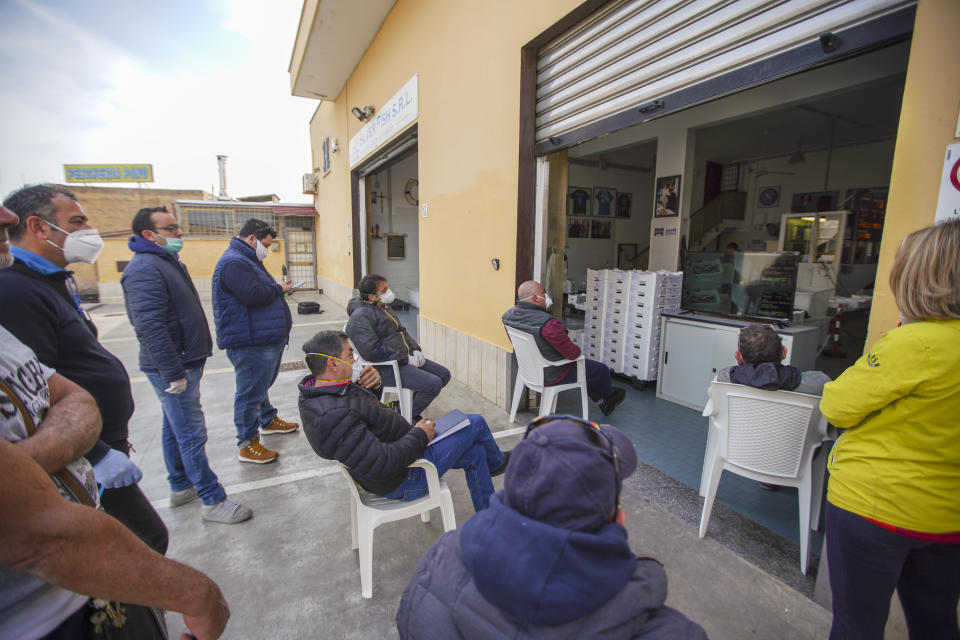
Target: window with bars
(224, 222)
(730, 178)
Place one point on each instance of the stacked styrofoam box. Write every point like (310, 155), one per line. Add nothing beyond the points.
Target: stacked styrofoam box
(576, 337)
(593, 316)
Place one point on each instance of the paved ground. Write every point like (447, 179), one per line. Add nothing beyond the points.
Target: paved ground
(290, 573)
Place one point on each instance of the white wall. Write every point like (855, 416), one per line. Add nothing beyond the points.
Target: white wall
(398, 217)
(584, 253)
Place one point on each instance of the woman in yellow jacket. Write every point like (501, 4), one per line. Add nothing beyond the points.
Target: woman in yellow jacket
(893, 503)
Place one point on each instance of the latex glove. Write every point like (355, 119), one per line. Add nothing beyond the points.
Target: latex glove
(418, 359)
(116, 470)
(177, 386)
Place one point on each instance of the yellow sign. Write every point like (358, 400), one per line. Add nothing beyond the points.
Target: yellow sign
(108, 172)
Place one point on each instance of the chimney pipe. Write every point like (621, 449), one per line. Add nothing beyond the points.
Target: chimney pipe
(222, 167)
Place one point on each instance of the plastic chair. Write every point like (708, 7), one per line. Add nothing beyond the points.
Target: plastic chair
(768, 436)
(531, 364)
(368, 511)
(405, 395)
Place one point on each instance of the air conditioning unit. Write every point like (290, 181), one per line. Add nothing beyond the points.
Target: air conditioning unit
(310, 181)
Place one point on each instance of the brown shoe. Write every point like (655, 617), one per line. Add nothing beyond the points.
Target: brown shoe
(279, 426)
(256, 453)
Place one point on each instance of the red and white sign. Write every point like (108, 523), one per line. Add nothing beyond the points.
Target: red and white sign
(948, 204)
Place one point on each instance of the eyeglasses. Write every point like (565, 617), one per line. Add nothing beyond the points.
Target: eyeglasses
(169, 227)
(595, 431)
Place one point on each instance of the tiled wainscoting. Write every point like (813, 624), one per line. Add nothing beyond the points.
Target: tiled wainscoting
(480, 365)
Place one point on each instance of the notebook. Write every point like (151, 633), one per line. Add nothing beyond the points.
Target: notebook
(448, 423)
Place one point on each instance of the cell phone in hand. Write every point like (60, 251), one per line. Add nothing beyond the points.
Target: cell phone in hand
(298, 285)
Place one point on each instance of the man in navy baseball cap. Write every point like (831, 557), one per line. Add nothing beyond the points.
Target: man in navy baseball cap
(550, 556)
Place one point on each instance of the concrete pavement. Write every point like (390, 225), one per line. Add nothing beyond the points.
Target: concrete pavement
(290, 573)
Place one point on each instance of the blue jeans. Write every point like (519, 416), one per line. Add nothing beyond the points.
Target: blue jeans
(256, 370)
(426, 382)
(867, 562)
(184, 439)
(599, 385)
(472, 449)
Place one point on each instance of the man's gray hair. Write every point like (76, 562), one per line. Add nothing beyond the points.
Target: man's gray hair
(325, 343)
(760, 343)
(34, 200)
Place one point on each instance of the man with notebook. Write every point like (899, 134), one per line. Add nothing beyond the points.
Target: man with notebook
(344, 421)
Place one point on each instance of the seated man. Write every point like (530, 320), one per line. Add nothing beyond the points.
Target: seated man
(378, 335)
(343, 421)
(759, 356)
(550, 557)
(530, 315)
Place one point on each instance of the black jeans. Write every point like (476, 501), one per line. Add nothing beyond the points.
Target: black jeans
(134, 511)
(867, 562)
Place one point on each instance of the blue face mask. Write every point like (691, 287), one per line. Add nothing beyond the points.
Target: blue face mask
(174, 245)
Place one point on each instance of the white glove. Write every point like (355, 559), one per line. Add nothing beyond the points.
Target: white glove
(116, 470)
(177, 386)
(418, 359)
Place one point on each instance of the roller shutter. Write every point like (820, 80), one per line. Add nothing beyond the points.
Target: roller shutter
(632, 52)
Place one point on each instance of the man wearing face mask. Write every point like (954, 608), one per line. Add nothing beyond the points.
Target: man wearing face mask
(165, 311)
(40, 305)
(378, 335)
(253, 325)
(531, 315)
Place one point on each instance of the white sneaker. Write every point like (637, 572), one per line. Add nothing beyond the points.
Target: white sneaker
(226, 512)
(180, 498)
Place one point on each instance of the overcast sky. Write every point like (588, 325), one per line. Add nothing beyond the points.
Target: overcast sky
(170, 83)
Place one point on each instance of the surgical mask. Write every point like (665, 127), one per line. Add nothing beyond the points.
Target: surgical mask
(84, 245)
(549, 301)
(356, 367)
(387, 297)
(174, 245)
(261, 251)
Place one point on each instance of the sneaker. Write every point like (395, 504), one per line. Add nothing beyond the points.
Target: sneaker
(226, 512)
(257, 453)
(279, 426)
(180, 498)
(608, 404)
(503, 467)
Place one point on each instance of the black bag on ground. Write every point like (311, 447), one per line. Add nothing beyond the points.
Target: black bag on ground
(308, 307)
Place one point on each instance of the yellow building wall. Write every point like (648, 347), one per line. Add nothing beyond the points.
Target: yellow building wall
(199, 256)
(468, 128)
(928, 123)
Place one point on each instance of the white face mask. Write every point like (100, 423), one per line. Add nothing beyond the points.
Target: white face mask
(357, 368)
(84, 245)
(387, 297)
(548, 300)
(261, 251)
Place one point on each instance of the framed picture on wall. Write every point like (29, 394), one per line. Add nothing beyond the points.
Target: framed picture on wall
(667, 204)
(578, 228)
(768, 196)
(578, 201)
(600, 228)
(624, 202)
(604, 201)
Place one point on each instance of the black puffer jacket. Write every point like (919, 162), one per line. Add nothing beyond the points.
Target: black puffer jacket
(377, 334)
(348, 424)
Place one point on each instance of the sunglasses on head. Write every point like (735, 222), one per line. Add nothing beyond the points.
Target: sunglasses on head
(596, 433)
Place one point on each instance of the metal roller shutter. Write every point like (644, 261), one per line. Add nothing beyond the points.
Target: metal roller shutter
(635, 51)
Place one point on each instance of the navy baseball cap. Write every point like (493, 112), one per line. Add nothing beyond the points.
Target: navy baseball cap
(568, 473)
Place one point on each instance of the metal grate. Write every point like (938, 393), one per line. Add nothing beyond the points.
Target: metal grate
(730, 177)
(224, 221)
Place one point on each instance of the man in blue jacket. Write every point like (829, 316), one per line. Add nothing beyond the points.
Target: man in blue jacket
(40, 305)
(165, 311)
(550, 557)
(253, 325)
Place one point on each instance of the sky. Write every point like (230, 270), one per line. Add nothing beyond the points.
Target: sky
(172, 84)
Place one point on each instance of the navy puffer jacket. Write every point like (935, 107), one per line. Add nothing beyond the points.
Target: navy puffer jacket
(248, 306)
(165, 311)
(504, 575)
(348, 424)
(377, 334)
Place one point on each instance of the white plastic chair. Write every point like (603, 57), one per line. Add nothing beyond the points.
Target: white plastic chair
(405, 395)
(530, 367)
(368, 511)
(771, 437)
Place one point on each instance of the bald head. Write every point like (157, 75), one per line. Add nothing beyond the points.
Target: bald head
(528, 289)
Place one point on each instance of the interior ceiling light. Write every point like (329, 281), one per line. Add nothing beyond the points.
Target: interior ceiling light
(363, 114)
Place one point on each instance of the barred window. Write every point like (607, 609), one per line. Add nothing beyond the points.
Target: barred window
(224, 222)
